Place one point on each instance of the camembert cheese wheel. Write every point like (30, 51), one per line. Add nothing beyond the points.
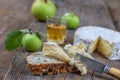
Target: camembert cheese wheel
(105, 41)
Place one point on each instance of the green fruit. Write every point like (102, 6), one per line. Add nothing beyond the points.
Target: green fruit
(31, 42)
(73, 21)
(41, 9)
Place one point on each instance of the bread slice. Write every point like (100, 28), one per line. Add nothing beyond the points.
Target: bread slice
(41, 65)
(104, 40)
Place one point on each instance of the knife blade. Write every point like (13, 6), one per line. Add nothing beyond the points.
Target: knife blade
(99, 67)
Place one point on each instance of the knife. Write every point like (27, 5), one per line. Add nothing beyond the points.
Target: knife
(99, 67)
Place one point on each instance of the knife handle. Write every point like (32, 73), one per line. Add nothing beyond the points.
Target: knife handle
(115, 72)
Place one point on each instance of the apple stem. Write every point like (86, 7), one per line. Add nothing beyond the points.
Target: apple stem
(45, 1)
(30, 30)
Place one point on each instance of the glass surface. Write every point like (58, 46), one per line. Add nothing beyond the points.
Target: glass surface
(56, 30)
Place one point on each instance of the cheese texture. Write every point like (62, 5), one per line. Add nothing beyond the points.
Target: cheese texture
(72, 50)
(51, 49)
(79, 65)
(104, 40)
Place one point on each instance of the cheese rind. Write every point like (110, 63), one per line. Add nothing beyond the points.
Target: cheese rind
(104, 40)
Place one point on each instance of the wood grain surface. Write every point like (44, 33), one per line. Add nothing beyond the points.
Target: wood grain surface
(3, 72)
(91, 12)
(14, 14)
(114, 9)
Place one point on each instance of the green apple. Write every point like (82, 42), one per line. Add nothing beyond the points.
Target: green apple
(31, 42)
(43, 8)
(73, 21)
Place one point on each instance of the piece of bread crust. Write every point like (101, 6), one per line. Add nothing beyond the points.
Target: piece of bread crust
(48, 68)
(52, 68)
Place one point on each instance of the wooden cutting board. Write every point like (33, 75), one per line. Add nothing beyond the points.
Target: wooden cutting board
(91, 12)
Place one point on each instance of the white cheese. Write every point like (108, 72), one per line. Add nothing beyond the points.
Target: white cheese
(54, 50)
(72, 50)
(81, 67)
(104, 40)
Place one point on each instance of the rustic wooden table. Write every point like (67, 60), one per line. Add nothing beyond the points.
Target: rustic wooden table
(91, 12)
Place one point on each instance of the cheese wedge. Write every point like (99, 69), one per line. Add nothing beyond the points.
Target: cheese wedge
(104, 40)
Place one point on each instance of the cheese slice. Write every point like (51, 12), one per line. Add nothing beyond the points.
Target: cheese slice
(51, 49)
(104, 40)
(72, 50)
